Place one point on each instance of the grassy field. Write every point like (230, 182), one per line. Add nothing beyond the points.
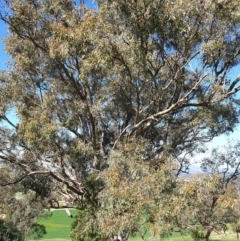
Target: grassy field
(228, 236)
(58, 227)
(178, 237)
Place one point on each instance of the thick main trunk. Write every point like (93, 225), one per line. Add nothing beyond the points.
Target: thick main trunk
(208, 233)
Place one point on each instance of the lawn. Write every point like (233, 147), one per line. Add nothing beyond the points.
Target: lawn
(58, 226)
(230, 236)
(176, 236)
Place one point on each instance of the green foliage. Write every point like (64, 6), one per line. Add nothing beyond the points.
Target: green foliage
(129, 201)
(86, 226)
(197, 234)
(236, 227)
(38, 231)
(209, 206)
(8, 231)
(19, 212)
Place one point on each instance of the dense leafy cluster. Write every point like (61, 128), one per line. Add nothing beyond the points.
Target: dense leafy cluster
(19, 208)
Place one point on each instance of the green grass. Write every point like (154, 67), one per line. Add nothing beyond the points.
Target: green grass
(177, 237)
(58, 226)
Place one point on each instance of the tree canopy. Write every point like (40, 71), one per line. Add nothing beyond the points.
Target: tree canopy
(117, 96)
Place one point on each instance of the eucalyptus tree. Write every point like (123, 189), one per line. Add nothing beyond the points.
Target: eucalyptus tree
(20, 207)
(209, 201)
(206, 206)
(224, 162)
(89, 85)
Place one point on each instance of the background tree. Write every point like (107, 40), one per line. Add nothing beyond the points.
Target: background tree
(19, 207)
(38, 230)
(85, 84)
(236, 228)
(212, 198)
(209, 207)
(9, 232)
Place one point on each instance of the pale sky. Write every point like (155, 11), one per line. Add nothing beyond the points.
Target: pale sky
(3, 56)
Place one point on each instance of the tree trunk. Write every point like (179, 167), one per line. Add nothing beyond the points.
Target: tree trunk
(237, 235)
(207, 235)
